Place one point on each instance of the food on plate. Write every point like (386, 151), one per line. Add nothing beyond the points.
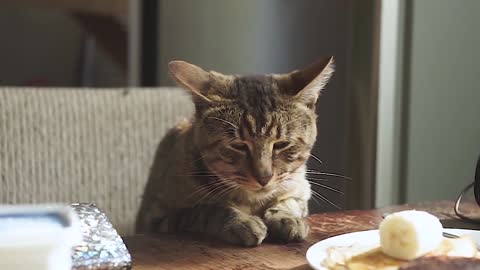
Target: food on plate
(340, 255)
(409, 234)
(415, 252)
(358, 257)
(456, 247)
(442, 263)
(355, 257)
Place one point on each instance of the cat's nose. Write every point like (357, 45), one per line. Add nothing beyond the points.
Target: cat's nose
(263, 179)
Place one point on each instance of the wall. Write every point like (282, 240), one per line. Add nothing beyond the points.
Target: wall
(44, 44)
(443, 113)
(390, 97)
(35, 45)
(362, 101)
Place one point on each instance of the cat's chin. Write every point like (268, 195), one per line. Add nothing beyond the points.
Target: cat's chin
(254, 189)
(262, 191)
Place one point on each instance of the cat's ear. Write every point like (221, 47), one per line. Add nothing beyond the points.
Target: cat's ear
(191, 77)
(306, 84)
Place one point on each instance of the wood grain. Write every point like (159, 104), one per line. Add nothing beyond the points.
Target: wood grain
(201, 252)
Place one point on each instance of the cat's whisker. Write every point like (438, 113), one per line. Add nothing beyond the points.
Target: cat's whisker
(240, 178)
(203, 198)
(235, 189)
(326, 187)
(190, 175)
(214, 189)
(205, 188)
(223, 193)
(320, 196)
(224, 121)
(209, 193)
(227, 193)
(319, 179)
(316, 158)
(227, 177)
(330, 174)
(197, 192)
(200, 172)
(205, 173)
(316, 200)
(311, 176)
(193, 173)
(227, 181)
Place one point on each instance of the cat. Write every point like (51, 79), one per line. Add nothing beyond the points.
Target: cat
(236, 170)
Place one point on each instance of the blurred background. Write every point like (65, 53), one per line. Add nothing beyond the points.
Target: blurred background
(400, 118)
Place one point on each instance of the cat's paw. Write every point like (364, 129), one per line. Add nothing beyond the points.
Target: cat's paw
(284, 227)
(248, 231)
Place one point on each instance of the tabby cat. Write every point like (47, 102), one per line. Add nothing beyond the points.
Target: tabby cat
(236, 171)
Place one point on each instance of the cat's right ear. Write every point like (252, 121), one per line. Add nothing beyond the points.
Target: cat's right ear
(191, 77)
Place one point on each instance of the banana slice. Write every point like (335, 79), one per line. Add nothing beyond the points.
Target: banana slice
(409, 234)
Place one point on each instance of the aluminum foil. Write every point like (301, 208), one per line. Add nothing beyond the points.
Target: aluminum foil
(101, 247)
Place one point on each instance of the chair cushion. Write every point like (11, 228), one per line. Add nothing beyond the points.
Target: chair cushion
(84, 145)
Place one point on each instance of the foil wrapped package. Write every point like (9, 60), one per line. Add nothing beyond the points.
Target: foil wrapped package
(101, 247)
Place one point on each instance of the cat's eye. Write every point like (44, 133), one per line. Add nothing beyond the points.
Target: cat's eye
(280, 145)
(239, 146)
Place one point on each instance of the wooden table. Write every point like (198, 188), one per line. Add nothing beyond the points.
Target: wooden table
(193, 252)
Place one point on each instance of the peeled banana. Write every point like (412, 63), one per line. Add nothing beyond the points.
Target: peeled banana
(407, 235)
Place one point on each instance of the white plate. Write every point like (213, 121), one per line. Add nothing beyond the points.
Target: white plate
(317, 253)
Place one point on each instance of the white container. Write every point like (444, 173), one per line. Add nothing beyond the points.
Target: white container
(37, 236)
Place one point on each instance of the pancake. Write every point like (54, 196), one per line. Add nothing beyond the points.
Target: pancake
(356, 257)
(442, 263)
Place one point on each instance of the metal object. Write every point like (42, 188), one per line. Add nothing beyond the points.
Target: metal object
(101, 247)
(453, 236)
(476, 187)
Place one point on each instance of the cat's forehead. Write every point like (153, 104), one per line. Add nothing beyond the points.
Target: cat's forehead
(253, 83)
(256, 103)
(255, 94)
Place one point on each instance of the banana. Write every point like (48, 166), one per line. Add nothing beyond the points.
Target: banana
(407, 235)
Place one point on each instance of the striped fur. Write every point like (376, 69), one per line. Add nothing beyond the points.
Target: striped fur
(237, 169)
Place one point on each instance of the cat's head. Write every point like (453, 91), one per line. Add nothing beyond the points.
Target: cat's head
(254, 131)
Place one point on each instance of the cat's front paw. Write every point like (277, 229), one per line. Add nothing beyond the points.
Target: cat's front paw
(284, 227)
(248, 231)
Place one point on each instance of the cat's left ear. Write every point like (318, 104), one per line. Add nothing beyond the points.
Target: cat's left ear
(306, 84)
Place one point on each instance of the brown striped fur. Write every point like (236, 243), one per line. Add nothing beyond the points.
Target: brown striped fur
(237, 169)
